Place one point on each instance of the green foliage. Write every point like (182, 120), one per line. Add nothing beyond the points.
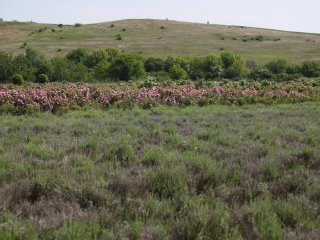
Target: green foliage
(99, 55)
(64, 70)
(17, 79)
(233, 65)
(6, 66)
(42, 78)
(78, 55)
(154, 64)
(261, 74)
(82, 64)
(23, 66)
(177, 72)
(310, 69)
(101, 70)
(126, 67)
(77, 24)
(277, 66)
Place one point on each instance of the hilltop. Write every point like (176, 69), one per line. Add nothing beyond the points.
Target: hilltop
(162, 38)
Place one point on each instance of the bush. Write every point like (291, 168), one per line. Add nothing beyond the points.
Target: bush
(178, 72)
(232, 64)
(64, 70)
(126, 67)
(277, 66)
(310, 69)
(119, 37)
(261, 74)
(17, 79)
(23, 66)
(6, 66)
(78, 55)
(78, 25)
(42, 78)
(101, 70)
(154, 65)
(99, 55)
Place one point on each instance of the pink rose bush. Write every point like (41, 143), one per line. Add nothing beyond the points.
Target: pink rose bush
(53, 97)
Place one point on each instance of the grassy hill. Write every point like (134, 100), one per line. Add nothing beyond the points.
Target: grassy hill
(162, 38)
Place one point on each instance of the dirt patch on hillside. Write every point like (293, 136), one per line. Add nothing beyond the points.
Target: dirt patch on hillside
(9, 32)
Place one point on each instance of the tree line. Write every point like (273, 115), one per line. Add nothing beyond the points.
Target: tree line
(110, 64)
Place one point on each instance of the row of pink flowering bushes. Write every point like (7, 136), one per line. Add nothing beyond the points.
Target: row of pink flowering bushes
(59, 98)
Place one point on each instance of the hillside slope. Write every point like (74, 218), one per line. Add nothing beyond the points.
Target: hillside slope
(162, 38)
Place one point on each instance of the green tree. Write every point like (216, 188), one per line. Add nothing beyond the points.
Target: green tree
(277, 66)
(177, 72)
(78, 55)
(17, 79)
(310, 69)
(42, 78)
(6, 66)
(232, 64)
(126, 67)
(101, 70)
(38, 61)
(24, 67)
(154, 64)
(99, 55)
(64, 70)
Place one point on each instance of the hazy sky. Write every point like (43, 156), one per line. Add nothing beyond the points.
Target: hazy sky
(294, 15)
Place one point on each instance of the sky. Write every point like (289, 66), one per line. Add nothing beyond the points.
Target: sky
(291, 15)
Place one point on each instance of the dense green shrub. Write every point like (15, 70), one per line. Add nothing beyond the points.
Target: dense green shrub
(78, 55)
(261, 74)
(177, 72)
(232, 64)
(126, 67)
(64, 70)
(38, 61)
(310, 69)
(101, 70)
(17, 79)
(6, 66)
(110, 63)
(277, 66)
(154, 64)
(77, 24)
(209, 67)
(23, 66)
(99, 55)
(42, 78)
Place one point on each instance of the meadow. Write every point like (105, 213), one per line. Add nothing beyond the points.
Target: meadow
(161, 38)
(160, 137)
(216, 172)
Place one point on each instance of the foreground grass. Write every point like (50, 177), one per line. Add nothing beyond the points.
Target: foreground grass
(217, 172)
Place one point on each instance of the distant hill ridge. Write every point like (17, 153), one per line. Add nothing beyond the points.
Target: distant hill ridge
(162, 38)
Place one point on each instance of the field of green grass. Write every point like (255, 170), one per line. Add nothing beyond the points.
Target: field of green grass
(162, 38)
(216, 172)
